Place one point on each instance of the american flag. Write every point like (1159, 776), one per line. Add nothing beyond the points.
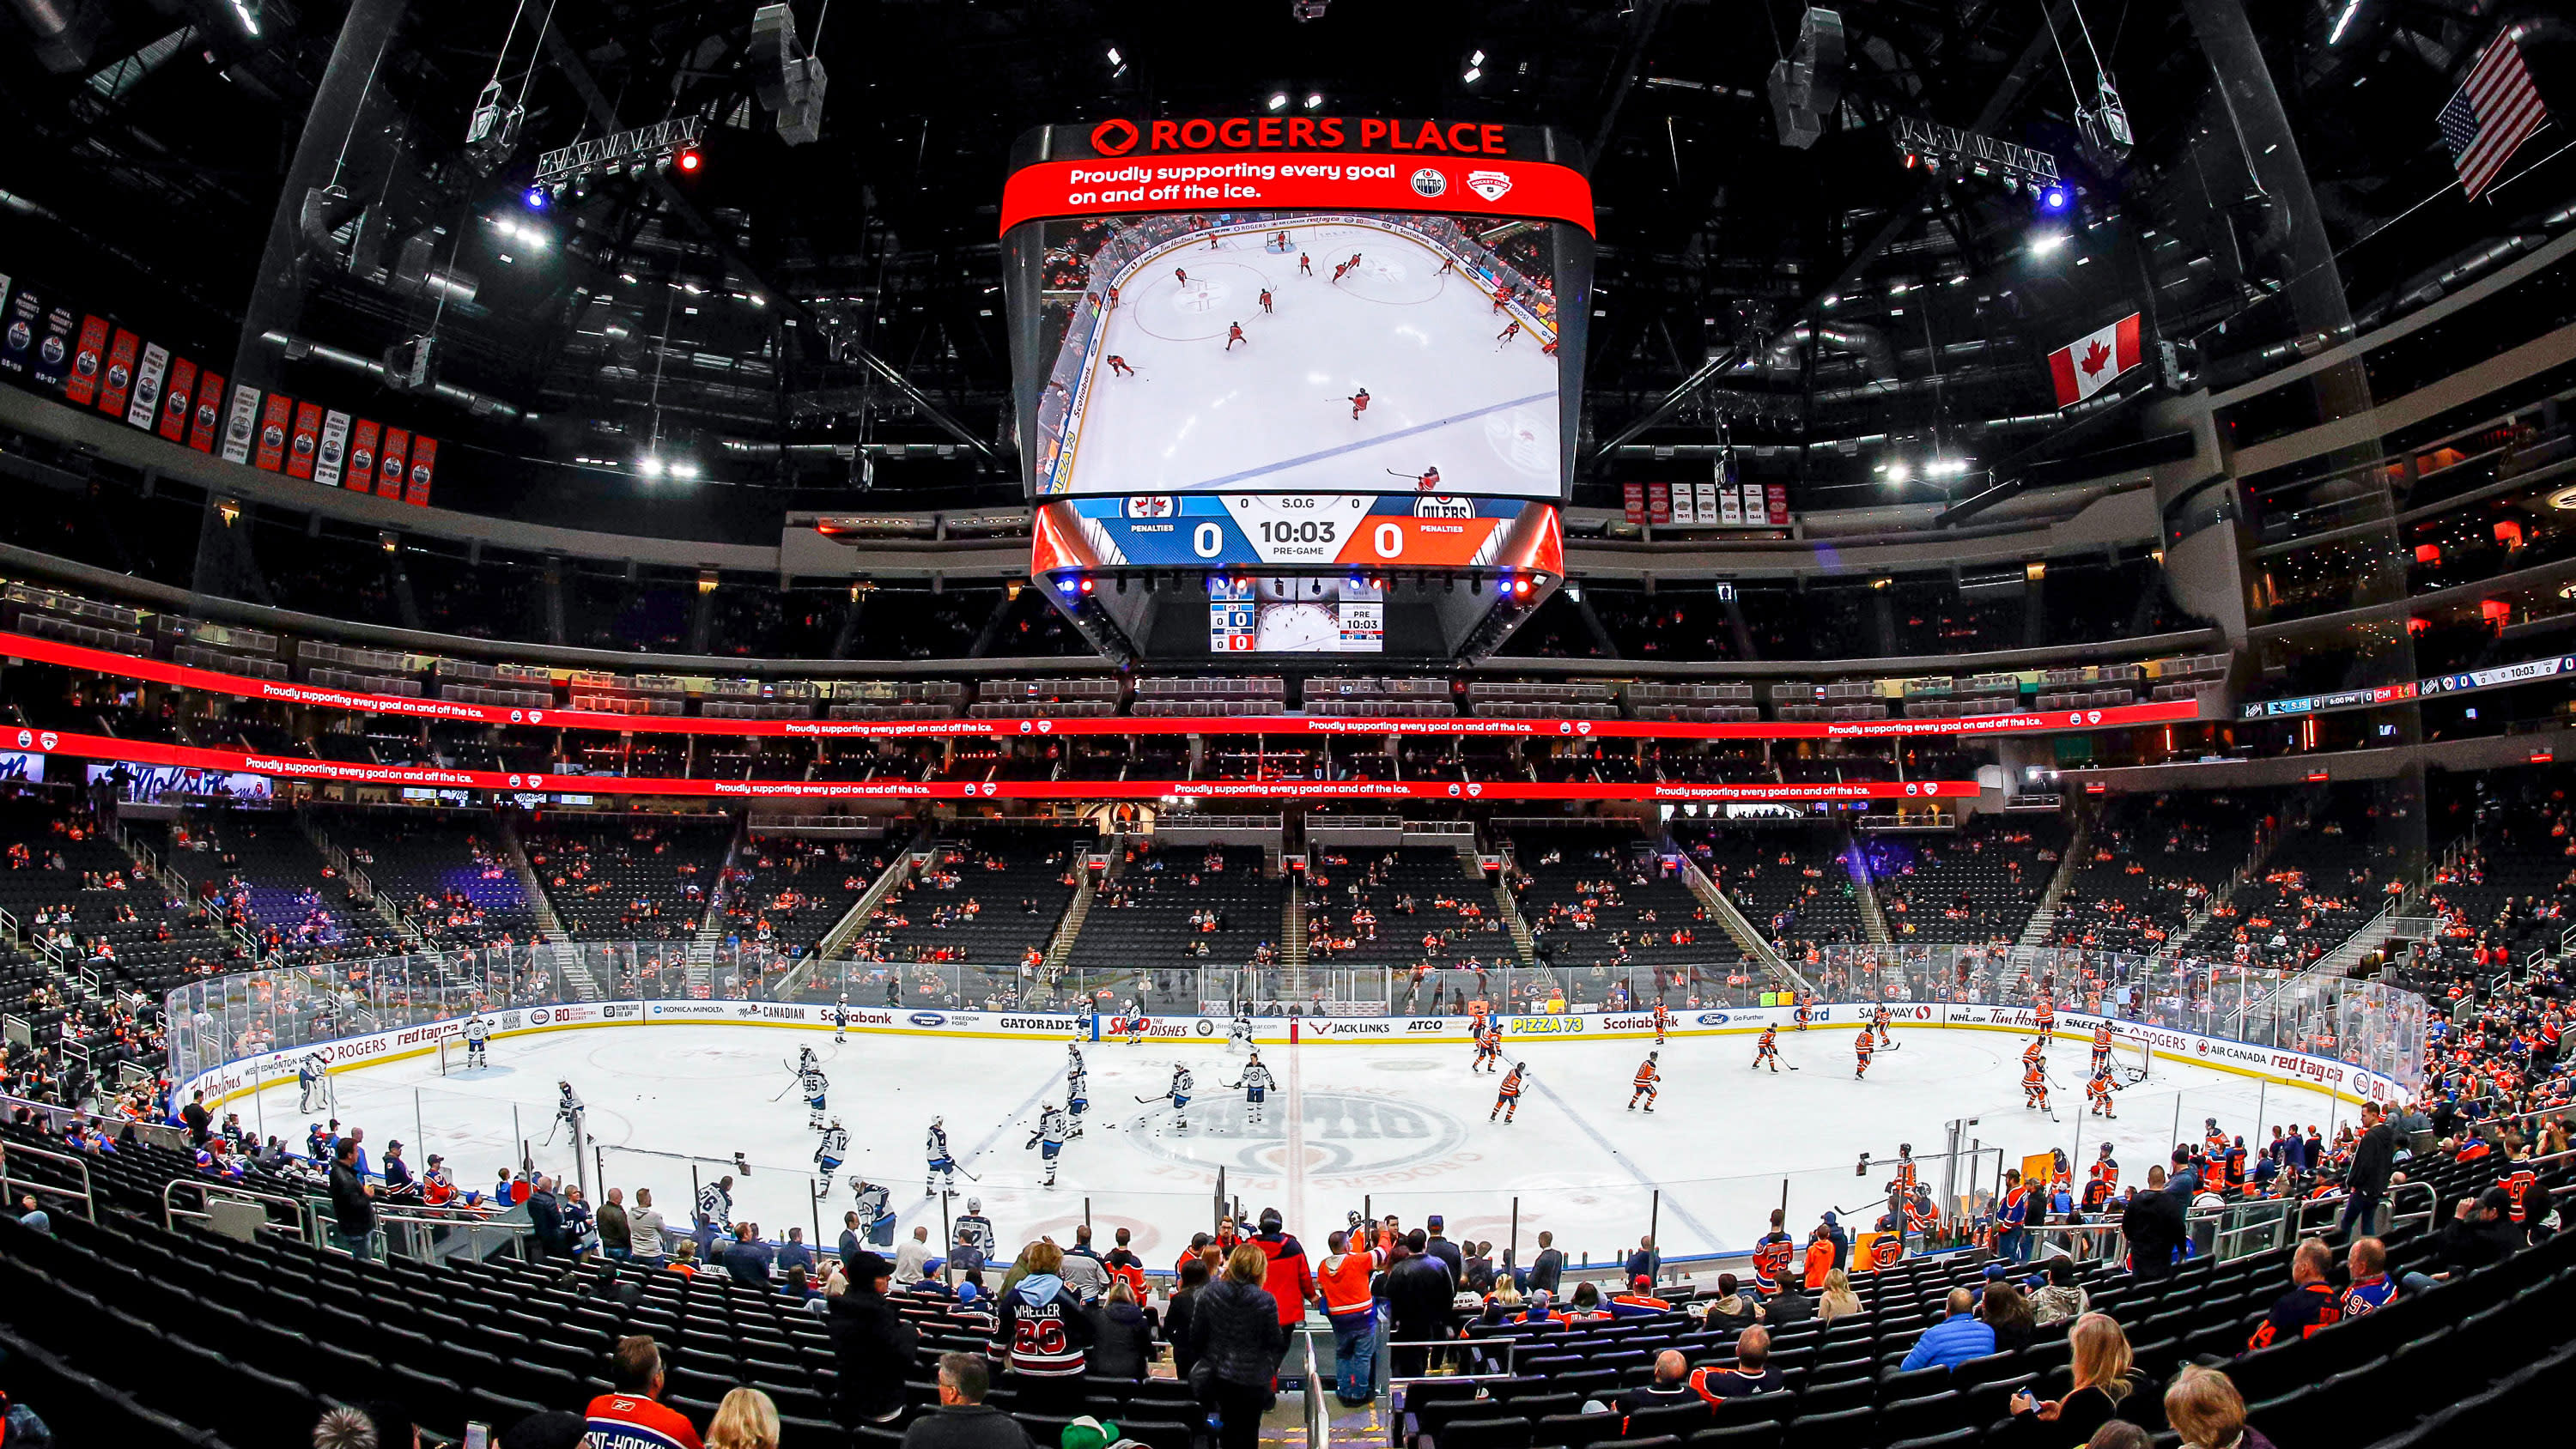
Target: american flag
(2493, 112)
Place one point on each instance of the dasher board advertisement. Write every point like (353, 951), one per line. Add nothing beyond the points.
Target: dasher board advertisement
(1342, 306)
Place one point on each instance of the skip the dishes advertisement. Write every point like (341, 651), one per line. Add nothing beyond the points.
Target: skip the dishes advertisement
(2325, 1074)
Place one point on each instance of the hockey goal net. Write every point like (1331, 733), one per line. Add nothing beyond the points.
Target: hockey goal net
(2132, 1058)
(451, 1055)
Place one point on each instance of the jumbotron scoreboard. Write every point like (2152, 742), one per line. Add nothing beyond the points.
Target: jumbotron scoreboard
(1297, 385)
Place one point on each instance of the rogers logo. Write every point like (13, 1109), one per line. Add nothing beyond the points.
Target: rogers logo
(534, 781)
(1489, 184)
(1046, 726)
(1583, 727)
(536, 716)
(1116, 137)
(1475, 788)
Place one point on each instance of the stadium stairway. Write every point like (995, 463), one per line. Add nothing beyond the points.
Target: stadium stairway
(1746, 938)
(549, 925)
(339, 860)
(2034, 934)
(1873, 921)
(1067, 931)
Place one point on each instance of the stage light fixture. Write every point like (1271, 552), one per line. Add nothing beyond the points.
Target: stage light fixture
(1474, 74)
(537, 197)
(2047, 243)
(2054, 199)
(684, 469)
(1315, 100)
(1066, 585)
(1088, 586)
(689, 161)
(1278, 100)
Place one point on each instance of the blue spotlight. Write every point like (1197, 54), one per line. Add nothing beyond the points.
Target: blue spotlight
(2053, 199)
(538, 198)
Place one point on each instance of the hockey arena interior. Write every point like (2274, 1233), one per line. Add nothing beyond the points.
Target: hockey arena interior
(739, 726)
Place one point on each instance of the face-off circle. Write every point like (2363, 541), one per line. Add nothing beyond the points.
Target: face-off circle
(1345, 1133)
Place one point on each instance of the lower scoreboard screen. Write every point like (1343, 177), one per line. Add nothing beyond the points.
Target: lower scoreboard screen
(1296, 616)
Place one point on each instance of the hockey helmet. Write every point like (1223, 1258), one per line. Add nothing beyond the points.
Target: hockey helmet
(974, 1204)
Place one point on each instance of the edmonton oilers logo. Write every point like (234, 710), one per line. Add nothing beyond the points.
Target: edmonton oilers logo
(1344, 1133)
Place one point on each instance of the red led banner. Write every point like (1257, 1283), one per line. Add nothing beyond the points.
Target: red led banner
(1298, 181)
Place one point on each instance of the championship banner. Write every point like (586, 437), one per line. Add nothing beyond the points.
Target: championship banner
(241, 423)
(424, 459)
(178, 401)
(306, 437)
(274, 417)
(80, 387)
(116, 383)
(145, 410)
(334, 449)
(54, 349)
(20, 318)
(362, 455)
(209, 413)
(391, 463)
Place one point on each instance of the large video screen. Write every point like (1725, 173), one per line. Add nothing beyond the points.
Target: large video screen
(1294, 349)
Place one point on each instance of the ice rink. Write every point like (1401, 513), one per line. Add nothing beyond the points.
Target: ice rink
(1403, 1127)
(1273, 411)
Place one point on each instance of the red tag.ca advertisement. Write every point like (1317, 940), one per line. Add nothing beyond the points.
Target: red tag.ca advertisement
(117, 380)
(362, 454)
(208, 414)
(391, 462)
(307, 437)
(273, 419)
(178, 400)
(424, 461)
(80, 386)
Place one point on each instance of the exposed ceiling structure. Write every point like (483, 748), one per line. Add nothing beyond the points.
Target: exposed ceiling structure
(785, 317)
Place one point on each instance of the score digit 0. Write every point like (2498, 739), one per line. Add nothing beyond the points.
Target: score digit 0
(1207, 540)
(1388, 541)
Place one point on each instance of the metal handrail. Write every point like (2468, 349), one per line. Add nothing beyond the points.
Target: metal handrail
(1475, 1348)
(10, 1182)
(1319, 1420)
(207, 1190)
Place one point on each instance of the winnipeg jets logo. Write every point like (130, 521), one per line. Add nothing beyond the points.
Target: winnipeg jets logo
(1489, 184)
(1149, 505)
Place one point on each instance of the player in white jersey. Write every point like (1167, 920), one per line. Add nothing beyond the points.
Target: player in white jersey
(1077, 1092)
(974, 1230)
(1240, 1034)
(827, 1156)
(1256, 1085)
(812, 1084)
(841, 1019)
(310, 1074)
(875, 1207)
(942, 1166)
(804, 1060)
(568, 1110)
(1182, 1082)
(478, 1034)
(1049, 1138)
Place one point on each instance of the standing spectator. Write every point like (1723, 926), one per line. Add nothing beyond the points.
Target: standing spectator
(1955, 1339)
(1819, 1263)
(546, 1221)
(850, 1245)
(1548, 1268)
(910, 1256)
(1192, 1281)
(353, 1206)
(1083, 1271)
(873, 1343)
(631, 1416)
(1121, 1338)
(1646, 1262)
(2367, 1182)
(2204, 1408)
(747, 1419)
(1441, 1248)
(616, 1236)
(197, 1119)
(795, 1253)
(1350, 1305)
(1237, 1337)
(1291, 1283)
(645, 1230)
(1040, 1334)
(744, 1262)
(963, 1420)
(2154, 1223)
(1421, 1297)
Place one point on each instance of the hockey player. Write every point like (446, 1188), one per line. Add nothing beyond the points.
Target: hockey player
(1863, 1046)
(1049, 1138)
(478, 1035)
(974, 1230)
(1136, 1025)
(1504, 338)
(1507, 1099)
(1182, 1082)
(942, 1174)
(715, 1213)
(1767, 1048)
(827, 1157)
(1234, 334)
(1340, 270)
(2035, 1052)
(1663, 1022)
(2098, 1089)
(2034, 1086)
(310, 1074)
(2046, 1011)
(1118, 365)
(1077, 1092)
(1305, 268)
(1644, 1086)
(1359, 402)
(2101, 1048)
(841, 1020)
(1428, 480)
(811, 1082)
(1878, 1024)
(1489, 1048)
(2102, 1181)
(568, 1109)
(1256, 1085)
(1181, 276)
(1240, 1033)
(1265, 301)
(1908, 1176)
(1804, 1015)
(876, 1218)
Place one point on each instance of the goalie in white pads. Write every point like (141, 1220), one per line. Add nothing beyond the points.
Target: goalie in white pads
(827, 1156)
(311, 1078)
(1256, 1085)
(875, 1210)
(1049, 1139)
(1239, 1034)
(812, 1085)
(568, 1109)
(478, 1034)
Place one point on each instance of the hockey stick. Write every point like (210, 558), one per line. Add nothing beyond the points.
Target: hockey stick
(783, 1091)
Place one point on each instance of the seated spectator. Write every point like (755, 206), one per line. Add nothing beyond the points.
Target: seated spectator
(1790, 1305)
(1671, 1384)
(631, 1414)
(745, 1262)
(2103, 1385)
(2007, 1311)
(2062, 1300)
(1955, 1339)
(1837, 1299)
(2308, 1306)
(2204, 1408)
(962, 1420)
(747, 1419)
(2371, 1288)
(1751, 1376)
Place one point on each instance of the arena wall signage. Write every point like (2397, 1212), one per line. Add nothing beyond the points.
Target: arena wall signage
(2342, 1080)
(100, 661)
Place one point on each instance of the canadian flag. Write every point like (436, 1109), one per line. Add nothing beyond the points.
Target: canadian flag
(2085, 366)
